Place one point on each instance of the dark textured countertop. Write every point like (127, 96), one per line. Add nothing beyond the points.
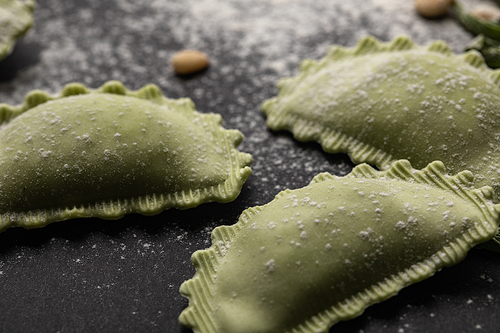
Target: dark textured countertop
(91, 275)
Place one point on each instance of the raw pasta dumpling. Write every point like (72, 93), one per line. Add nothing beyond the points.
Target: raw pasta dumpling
(111, 151)
(323, 253)
(16, 18)
(380, 102)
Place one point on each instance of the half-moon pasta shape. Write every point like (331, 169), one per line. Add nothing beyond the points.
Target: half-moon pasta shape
(111, 151)
(323, 253)
(380, 102)
(16, 18)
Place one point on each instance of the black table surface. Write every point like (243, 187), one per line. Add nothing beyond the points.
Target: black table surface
(92, 275)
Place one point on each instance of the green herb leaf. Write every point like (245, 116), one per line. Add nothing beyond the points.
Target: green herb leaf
(489, 48)
(476, 25)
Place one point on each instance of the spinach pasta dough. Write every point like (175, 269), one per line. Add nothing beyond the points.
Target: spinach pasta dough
(108, 152)
(323, 253)
(380, 102)
(16, 18)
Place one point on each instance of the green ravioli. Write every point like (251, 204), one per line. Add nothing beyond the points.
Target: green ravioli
(108, 152)
(16, 18)
(323, 253)
(380, 102)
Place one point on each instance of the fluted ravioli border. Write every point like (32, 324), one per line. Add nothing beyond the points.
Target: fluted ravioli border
(226, 191)
(198, 289)
(19, 26)
(333, 141)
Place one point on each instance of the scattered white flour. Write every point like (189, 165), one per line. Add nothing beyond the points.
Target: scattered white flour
(267, 39)
(251, 45)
